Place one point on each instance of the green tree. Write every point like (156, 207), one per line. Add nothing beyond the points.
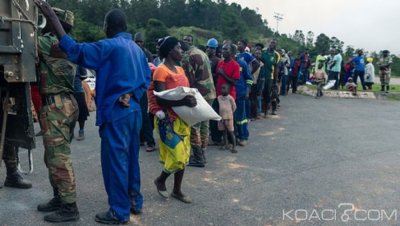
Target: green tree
(322, 44)
(349, 51)
(336, 44)
(299, 37)
(310, 39)
(155, 30)
(395, 66)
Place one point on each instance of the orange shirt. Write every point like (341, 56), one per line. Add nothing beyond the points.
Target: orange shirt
(171, 80)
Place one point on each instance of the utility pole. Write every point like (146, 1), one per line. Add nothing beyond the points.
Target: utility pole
(278, 17)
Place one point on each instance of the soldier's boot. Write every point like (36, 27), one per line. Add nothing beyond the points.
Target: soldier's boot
(52, 205)
(196, 159)
(15, 180)
(382, 88)
(67, 212)
(387, 89)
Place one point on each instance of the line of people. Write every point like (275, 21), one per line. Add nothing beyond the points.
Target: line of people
(331, 69)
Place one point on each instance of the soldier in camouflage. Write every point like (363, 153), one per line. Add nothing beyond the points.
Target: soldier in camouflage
(57, 117)
(384, 64)
(197, 68)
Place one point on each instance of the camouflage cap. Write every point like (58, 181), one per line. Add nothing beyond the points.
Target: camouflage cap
(65, 16)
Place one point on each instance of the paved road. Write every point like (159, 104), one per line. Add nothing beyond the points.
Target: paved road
(311, 158)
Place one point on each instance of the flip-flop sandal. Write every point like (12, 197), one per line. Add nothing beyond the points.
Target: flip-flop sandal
(183, 199)
(163, 194)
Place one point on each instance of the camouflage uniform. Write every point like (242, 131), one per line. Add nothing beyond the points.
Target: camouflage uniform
(385, 73)
(198, 70)
(57, 116)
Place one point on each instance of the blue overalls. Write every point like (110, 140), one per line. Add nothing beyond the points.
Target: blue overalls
(121, 68)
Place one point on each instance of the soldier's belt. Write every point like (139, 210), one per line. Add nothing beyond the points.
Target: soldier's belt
(56, 99)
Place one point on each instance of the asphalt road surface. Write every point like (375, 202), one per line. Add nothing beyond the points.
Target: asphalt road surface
(320, 162)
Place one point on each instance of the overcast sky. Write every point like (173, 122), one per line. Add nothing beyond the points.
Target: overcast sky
(370, 24)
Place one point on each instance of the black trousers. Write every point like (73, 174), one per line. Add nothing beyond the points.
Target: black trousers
(334, 76)
(216, 135)
(292, 82)
(146, 132)
(10, 157)
(360, 74)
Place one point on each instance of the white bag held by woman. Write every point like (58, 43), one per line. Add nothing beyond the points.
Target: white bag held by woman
(201, 112)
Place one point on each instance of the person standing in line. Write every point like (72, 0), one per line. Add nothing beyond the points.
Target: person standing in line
(146, 132)
(252, 65)
(369, 73)
(335, 68)
(256, 88)
(384, 64)
(188, 39)
(211, 50)
(174, 133)
(122, 76)
(243, 86)
(79, 94)
(197, 68)
(228, 70)
(227, 108)
(304, 66)
(284, 73)
(139, 40)
(271, 58)
(294, 74)
(359, 68)
(290, 68)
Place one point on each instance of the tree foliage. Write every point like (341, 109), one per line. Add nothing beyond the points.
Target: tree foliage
(299, 37)
(234, 21)
(206, 18)
(310, 39)
(322, 44)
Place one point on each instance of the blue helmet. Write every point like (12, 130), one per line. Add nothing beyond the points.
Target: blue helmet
(212, 42)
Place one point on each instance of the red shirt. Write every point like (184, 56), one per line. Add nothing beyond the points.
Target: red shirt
(232, 70)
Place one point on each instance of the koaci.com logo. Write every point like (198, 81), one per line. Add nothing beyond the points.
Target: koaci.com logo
(345, 212)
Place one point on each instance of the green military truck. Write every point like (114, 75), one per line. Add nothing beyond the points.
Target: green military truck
(18, 55)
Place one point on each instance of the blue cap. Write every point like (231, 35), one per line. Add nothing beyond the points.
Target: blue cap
(212, 42)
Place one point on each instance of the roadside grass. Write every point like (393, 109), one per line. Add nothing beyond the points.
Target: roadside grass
(376, 88)
(393, 97)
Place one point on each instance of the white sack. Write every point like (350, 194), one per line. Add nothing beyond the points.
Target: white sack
(330, 84)
(201, 112)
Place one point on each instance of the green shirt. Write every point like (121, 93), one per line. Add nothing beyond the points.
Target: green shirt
(320, 60)
(270, 60)
(57, 74)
